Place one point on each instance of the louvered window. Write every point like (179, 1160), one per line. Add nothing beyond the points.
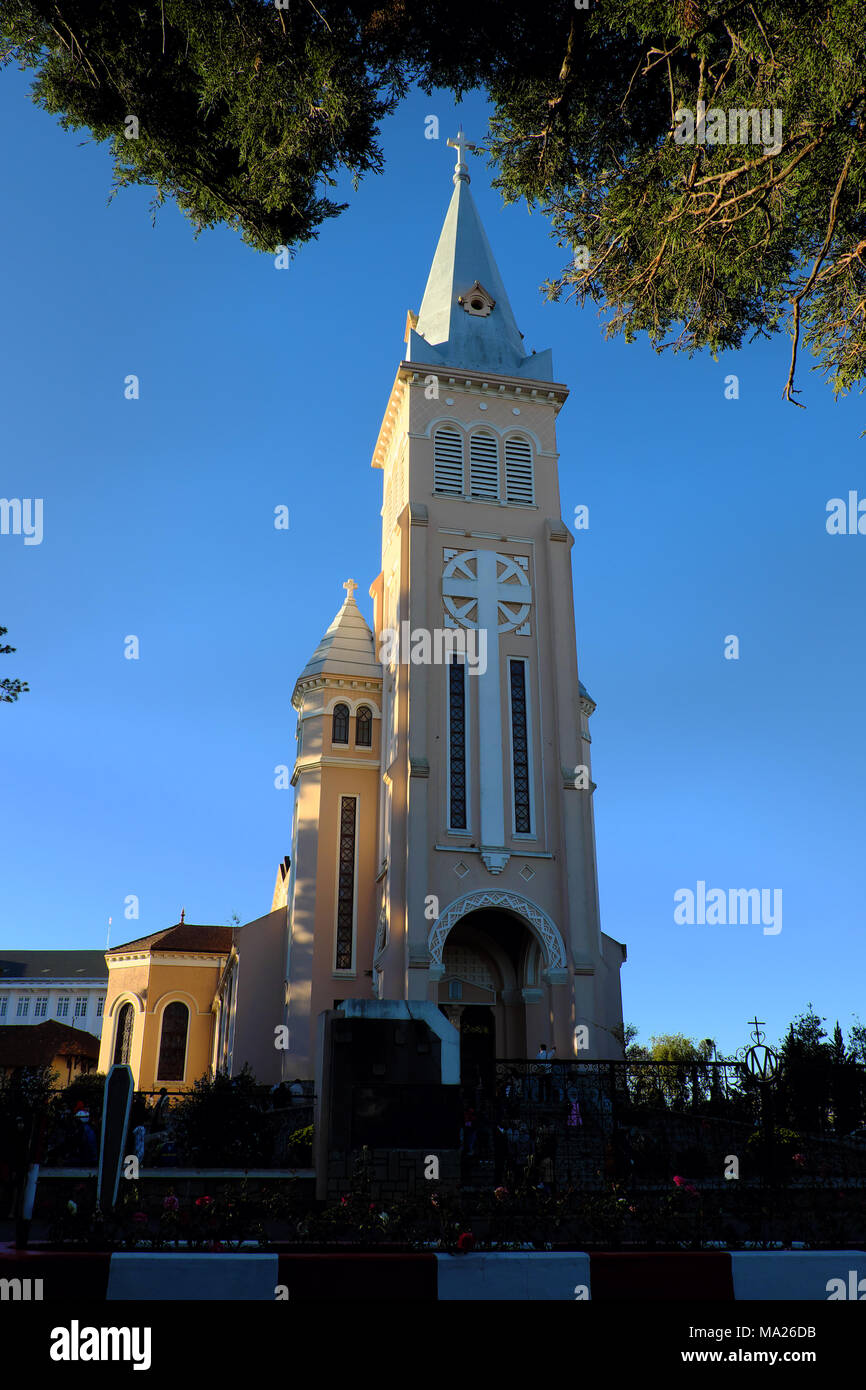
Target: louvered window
(518, 471)
(344, 956)
(483, 466)
(364, 727)
(123, 1035)
(520, 748)
(340, 724)
(448, 462)
(457, 819)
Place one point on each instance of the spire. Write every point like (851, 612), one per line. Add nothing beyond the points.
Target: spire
(465, 319)
(347, 647)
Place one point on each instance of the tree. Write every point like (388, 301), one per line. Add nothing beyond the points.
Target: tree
(245, 111)
(10, 689)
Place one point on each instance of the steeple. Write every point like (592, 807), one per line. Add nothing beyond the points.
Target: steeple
(465, 319)
(347, 647)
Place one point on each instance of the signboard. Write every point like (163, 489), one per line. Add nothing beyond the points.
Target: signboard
(116, 1106)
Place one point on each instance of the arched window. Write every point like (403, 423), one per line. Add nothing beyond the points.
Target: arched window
(448, 461)
(483, 466)
(340, 724)
(518, 471)
(364, 727)
(172, 1043)
(123, 1035)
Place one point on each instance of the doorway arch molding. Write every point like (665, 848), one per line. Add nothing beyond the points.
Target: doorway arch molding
(542, 927)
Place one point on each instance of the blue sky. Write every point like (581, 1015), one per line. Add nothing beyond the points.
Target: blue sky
(262, 387)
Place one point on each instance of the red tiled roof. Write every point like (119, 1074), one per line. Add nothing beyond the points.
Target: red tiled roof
(184, 936)
(37, 1044)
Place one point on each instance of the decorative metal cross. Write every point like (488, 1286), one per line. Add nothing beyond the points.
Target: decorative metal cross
(497, 590)
(461, 145)
(756, 1029)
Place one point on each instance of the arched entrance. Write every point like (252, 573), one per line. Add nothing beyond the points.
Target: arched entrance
(491, 963)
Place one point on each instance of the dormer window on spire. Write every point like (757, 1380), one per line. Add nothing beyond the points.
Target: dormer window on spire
(477, 301)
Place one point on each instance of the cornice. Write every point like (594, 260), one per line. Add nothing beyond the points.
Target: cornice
(518, 388)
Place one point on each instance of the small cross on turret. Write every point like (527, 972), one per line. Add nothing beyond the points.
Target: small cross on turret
(350, 586)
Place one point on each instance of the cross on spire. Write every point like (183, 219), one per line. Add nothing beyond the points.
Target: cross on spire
(350, 586)
(461, 145)
(757, 1025)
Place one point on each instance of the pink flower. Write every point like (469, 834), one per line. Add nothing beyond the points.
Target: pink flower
(203, 1201)
(500, 1193)
(798, 1158)
(679, 1181)
(140, 1218)
(434, 1200)
(170, 1203)
(343, 1201)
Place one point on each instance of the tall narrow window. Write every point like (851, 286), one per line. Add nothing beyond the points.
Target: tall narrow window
(63, 1006)
(364, 727)
(41, 1009)
(457, 745)
(4, 1005)
(340, 724)
(518, 471)
(123, 1035)
(172, 1043)
(520, 748)
(346, 885)
(23, 1005)
(483, 466)
(448, 461)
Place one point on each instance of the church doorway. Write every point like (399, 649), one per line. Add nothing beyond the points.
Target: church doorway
(477, 1045)
(491, 963)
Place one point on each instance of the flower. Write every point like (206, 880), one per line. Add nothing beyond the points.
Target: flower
(434, 1199)
(500, 1193)
(344, 1201)
(679, 1181)
(140, 1218)
(203, 1201)
(72, 1208)
(465, 1241)
(170, 1203)
(798, 1158)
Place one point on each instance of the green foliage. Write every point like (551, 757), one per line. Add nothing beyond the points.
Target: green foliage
(10, 689)
(219, 1122)
(244, 111)
(249, 115)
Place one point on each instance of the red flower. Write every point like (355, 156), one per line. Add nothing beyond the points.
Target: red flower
(140, 1218)
(500, 1193)
(679, 1181)
(466, 1241)
(203, 1201)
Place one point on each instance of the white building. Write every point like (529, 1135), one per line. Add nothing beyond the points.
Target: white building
(68, 986)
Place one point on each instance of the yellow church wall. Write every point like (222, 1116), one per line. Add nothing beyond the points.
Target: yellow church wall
(150, 984)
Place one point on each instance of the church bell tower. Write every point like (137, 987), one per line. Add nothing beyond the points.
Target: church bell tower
(444, 839)
(487, 895)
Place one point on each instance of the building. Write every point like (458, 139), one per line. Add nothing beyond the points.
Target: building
(443, 838)
(67, 986)
(443, 845)
(70, 1052)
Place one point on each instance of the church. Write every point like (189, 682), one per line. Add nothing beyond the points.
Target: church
(443, 837)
